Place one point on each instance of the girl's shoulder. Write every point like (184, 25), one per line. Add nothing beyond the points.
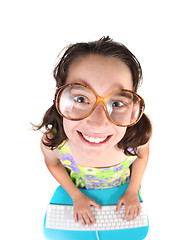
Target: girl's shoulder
(144, 150)
(49, 154)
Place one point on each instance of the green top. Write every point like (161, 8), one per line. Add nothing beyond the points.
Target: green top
(95, 178)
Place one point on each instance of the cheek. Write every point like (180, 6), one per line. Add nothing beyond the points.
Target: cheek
(69, 126)
(66, 126)
(121, 132)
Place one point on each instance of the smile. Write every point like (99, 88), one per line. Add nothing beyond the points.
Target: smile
(94, 140)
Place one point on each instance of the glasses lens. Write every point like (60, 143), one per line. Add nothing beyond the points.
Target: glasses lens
(76, 101)
(124, 108)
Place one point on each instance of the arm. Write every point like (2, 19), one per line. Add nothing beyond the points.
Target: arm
(138, 169)
(80, 201)
(59, 172)
(130, 198)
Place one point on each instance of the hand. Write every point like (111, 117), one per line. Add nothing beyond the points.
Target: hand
(82, 210)
(132, 205)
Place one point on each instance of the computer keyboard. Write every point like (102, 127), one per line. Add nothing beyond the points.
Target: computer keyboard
(61, 217)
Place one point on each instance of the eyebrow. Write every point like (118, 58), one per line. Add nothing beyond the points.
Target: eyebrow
(120, 88)
(124, 94)
(82, 81)
(76, 86)
(79, 88)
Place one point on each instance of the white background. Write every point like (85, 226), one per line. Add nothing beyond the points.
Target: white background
(32, 34)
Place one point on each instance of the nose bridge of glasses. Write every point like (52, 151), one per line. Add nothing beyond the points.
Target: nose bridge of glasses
(102, 101)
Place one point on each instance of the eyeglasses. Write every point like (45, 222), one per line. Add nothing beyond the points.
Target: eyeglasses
(77, 101)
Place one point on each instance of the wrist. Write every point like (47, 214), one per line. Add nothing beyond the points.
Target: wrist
(77, 195)
(132, 190)
(133, 187)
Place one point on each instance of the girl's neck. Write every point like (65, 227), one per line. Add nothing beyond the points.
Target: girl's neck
(99, 158)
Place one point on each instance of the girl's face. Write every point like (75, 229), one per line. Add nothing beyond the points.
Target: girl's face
(96, 135)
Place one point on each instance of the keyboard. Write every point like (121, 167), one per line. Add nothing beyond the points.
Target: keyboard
(61, 217)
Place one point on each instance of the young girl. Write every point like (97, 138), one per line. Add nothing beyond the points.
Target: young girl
(96, 130)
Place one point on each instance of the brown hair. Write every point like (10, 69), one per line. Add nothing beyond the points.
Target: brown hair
(136, 135)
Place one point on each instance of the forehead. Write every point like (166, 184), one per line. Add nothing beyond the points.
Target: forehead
(103, 74)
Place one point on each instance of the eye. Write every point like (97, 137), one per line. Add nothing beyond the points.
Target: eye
(80, 99)
(118, 104)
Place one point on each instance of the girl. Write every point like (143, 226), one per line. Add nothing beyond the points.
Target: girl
(96, 130)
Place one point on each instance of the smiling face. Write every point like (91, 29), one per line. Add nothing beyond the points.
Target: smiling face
(96, 135)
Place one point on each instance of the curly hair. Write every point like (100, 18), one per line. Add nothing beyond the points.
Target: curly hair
(136, 135)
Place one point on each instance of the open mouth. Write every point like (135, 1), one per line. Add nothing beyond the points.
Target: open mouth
(94, 140)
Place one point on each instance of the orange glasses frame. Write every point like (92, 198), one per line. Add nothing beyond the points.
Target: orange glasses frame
(99, 100)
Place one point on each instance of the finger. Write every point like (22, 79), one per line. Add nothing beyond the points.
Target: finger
(126, 213)
(95, 204)
(119, 204)
(81, 219)
(131, 214)
(91, 217)
(75, 217)
(87, 219)
(135, 214)
(139, 211)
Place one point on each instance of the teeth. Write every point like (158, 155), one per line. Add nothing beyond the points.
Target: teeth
(94, 140)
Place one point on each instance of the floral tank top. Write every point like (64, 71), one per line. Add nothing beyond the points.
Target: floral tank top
(95, 178)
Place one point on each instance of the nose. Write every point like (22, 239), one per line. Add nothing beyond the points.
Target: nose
(98, 117)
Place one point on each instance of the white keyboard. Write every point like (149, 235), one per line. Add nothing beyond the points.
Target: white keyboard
(62, 217)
